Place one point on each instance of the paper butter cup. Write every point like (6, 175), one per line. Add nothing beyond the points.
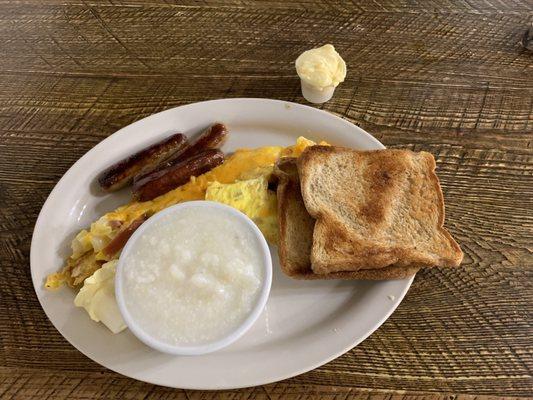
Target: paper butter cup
(316, 95)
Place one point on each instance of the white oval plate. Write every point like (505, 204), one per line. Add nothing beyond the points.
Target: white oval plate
(304, 325)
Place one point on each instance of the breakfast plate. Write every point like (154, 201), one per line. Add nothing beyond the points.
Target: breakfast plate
(304, 325)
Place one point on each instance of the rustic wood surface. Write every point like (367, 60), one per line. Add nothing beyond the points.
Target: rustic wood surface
(445, 76)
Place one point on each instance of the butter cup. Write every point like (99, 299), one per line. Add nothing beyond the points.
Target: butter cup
(315, 94)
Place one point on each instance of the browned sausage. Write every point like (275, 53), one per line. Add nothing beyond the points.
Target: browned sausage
(160, 182)
(119, 241)
(212, 138)
(121, 173)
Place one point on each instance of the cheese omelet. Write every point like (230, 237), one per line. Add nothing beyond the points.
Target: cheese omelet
(240, 181)
(252, 198)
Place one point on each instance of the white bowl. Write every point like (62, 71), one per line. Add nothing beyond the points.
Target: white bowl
(219, 343)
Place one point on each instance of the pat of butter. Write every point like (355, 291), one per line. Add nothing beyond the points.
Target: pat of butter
(97, 296)
(321, 67)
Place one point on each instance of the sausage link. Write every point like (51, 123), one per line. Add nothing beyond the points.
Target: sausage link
(161, 182)
(119, 241)
(212, 138)
(121, 173)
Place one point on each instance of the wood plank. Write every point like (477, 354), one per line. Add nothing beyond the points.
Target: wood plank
(240, 42)
(83, 107)
(42, 384)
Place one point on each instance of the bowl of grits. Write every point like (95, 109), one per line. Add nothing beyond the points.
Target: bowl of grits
(193, 278)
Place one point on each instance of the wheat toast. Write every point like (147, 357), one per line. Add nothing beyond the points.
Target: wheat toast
(374, 209)
(296, 234)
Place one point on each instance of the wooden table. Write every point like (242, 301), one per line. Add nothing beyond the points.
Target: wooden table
(446, 77)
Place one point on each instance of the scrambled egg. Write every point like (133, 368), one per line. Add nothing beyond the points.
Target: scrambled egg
(97, 296)
(253, 198)
(246, 172)
(96, 239)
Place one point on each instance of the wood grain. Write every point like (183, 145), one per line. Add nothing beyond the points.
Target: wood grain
(447, 77)
(31, 385)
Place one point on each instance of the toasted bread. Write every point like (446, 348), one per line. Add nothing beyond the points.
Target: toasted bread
(296, 234)
(374, 209)
(295, 224)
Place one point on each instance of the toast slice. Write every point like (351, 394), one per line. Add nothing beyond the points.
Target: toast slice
(374, 209)
(296, 234)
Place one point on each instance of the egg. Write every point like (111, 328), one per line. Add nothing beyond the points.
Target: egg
(252, 198)
(97, 297)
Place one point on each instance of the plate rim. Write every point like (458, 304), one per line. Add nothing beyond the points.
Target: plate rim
(37, 284)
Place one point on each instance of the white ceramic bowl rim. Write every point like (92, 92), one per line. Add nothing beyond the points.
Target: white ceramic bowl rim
(232, 336)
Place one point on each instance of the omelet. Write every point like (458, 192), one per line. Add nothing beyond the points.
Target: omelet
(246, 170)
(253, 198)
